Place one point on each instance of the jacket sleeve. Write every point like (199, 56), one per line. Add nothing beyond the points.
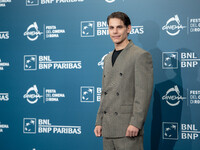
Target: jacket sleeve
(100, 113)
(143, 89)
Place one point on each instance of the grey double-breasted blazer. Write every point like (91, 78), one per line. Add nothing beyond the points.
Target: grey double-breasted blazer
(126, 91)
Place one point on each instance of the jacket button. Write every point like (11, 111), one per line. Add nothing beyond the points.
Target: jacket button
(104, 76)
(121, 74)
(104, 112)
(116, 113)
(117, 94)
(105, 93)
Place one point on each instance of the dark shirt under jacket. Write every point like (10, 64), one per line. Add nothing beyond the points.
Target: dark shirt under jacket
(115, 55)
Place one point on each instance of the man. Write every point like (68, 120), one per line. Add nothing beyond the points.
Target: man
(126, 89)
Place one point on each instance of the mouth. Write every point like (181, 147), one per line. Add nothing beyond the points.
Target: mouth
(116, 37)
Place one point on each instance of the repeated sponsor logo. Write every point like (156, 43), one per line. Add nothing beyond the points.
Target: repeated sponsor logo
(87, 94)
(46, 63)
(49, 2)
(32, 2)
(4, 97)
(49, 31)
(34, 126)
(101, 62)
(170, 131)
(173, 26)
(49, 95)
(187, 60)
(170, 60)
(173, 96)
(100, 28)
(3, 65)
(193, 97)
(4, 2)
(110, 1)
(3, 127)
(194, 25)
(4, 35)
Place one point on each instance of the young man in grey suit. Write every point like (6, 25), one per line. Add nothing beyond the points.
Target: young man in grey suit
(126, 89)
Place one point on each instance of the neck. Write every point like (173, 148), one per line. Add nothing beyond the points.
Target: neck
(122, 45)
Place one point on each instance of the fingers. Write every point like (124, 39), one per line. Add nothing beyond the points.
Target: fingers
(132, 131)
(97, 131)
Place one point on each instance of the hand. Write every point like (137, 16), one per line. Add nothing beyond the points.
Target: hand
(97, 131)
(132, 131)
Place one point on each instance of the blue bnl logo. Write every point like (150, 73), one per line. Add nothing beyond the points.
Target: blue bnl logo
(87, 29)
(170, 130)
(30, 62)
(29, 125)
(170, 60)
(87, 94)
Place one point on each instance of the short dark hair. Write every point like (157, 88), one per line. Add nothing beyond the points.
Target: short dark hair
(120, 15)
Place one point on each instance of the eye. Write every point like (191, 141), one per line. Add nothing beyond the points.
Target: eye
(110, 27)
(120, 27)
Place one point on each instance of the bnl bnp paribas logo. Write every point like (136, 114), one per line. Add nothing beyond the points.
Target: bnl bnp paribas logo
(49, 31)
(4, 35)
(4, 2)
(46, 2)
(87, 94)
(170, 131)
(170, 60)
(46, 63)
(33, 126)
(173, 96)
(173, 26)
(100, 28)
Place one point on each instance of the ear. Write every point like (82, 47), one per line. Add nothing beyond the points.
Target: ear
(129, 29)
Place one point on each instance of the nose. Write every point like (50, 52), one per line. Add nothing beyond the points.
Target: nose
(115, 30)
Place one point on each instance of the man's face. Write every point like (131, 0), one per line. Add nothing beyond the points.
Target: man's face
(118, 31)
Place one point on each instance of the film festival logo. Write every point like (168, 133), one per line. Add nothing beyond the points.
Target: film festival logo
(33, 32)
(170, 130)
(49, 32)
(3, 127)
(110, 1)
(101, 62)
(173, 26)
(33, 126)
(173, 97)
(3, 64)
(170, 60)
(49, 95)
(32, 95)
